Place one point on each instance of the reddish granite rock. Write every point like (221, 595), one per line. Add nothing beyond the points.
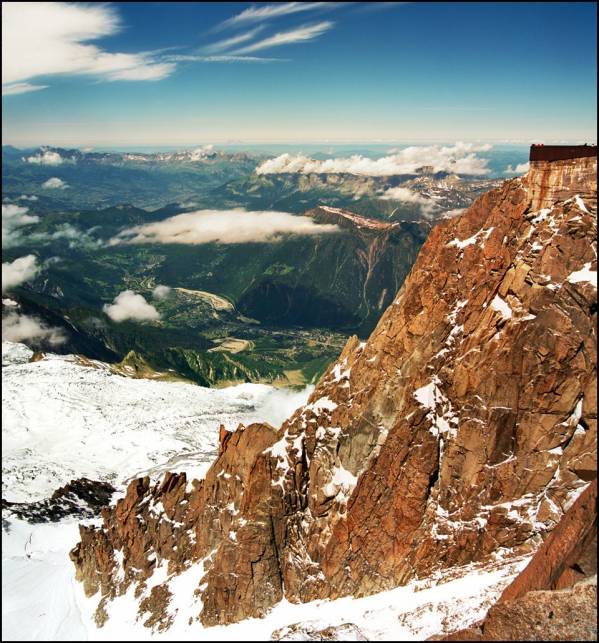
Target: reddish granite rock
(564, 615)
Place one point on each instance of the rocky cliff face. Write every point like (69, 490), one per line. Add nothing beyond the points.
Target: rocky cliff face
(551, 181)
(461, 431)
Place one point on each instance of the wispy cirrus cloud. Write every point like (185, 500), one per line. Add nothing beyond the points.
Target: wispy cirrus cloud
(305, 33)
(228, 43)
(371, 7)
(226, 58)
(42, 39)
(268, 12)
(49, 38)
(21, 88)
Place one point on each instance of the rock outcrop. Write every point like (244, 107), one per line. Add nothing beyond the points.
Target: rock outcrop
(461, 431)
(82, 498)
(565, 557)
(555, 596)
(543, 615)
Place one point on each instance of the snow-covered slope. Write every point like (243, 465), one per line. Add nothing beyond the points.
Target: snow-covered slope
(35, 563)
(62, 420)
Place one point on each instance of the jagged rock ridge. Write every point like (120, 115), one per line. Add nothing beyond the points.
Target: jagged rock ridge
(461, 431)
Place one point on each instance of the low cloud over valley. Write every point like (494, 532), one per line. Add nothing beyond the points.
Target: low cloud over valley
(24, 328)
(130, 305)
(405, 195)
(13, 218)
(19, 271)
(54, 184)
(223, 226)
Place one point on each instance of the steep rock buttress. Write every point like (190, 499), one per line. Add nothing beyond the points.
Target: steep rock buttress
(462, 430)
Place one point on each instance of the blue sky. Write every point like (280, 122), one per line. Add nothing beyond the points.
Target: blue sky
(190, 73)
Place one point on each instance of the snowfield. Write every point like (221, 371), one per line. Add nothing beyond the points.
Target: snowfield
(62, 420)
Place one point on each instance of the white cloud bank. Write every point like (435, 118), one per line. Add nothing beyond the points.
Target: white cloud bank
(521, 168)
(223, 226)
(55, 184)
(18, 271)
(460, 158)
(13, 218)
(45, 157)
(130, 305)
(45, 38)
(405, 195)
(23, 328)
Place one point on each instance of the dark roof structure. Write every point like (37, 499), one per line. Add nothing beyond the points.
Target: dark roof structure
(561, 152)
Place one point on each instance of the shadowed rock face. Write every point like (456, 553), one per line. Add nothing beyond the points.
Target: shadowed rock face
(461, 431)
(83, 498)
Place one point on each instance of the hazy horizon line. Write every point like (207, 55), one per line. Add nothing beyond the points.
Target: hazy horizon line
(232, 143)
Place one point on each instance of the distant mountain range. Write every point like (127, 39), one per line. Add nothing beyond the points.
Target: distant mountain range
(101, 179)
(48, 155)
(209, 178)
